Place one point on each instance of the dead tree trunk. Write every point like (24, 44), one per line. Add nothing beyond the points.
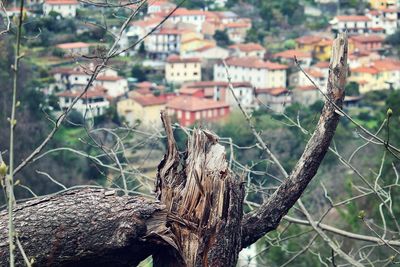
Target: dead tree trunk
(196, 219)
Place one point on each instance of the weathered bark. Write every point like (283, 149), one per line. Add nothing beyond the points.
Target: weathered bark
(196, 219)
(204, 202)
(89, 227)
(268, 216)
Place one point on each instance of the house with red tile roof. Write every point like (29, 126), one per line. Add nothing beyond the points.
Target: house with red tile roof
(385, 18)
(193, 17)
(188, 110)
(261, 74)
(275, 99)
(75, 48)
(219, 91)
(208, 53)
(237, 30)
(160, 6)
(66, 8)
(306, 95)
(287, 57)
(353, 24)
(320, 77)
(380, 74)
(77, 78)
(94, 102)
(144, 109)
(179, 70)
(247, 50)
(367, 42)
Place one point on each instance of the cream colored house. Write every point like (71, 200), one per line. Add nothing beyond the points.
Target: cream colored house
(142, 109)
(179, 70)
(261, 74)
(67, 8)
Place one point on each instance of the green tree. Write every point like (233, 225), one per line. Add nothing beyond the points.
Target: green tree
(139, 72)
(222, 38)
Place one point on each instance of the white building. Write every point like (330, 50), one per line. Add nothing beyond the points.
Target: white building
(160, 6)
(93, 103)
(275, 99)
(67, 8)
(209, 52)
(353, 24)
(164, 42)
(75, 49)
(259, 73)
(195, 17)
(75, 79)
(247, 50)
(387, 19)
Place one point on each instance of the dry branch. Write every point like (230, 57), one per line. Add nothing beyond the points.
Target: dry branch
(268, 216)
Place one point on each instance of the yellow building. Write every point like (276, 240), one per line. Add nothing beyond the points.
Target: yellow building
(142, 109)
(382, 4)
(319, 47)
(378, 75)
(179, 70)
(193, 40)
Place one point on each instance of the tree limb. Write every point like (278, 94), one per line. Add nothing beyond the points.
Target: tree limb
(85, 227)
(267, 217)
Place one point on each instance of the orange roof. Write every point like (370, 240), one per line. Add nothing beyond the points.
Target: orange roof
(322, 64)
(97, 91)
(144, 85)
(149, 100)
(189, 103)
(306, 88)
(147, 22)
(171, 31)
(108, 78)
(188, 12)
(203, 84)
(73, 45)
(353, 18)
(308, 39)
(386, 64)
(205, 48)
(61, 2)
(367, 38)
(178, 59)
(290, 54)
(254, 62)
(189, 91)
(370, 70)
(237, 24)
(248, 47)
(272, 91)
(314, 73)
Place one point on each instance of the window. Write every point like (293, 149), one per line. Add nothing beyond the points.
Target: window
(184, 74)
(188, 115)
(179, 114)
(195, 73)
(198, 115)
(222, 111)
(210, 113)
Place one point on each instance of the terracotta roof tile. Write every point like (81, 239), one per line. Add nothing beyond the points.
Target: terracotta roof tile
(272, 91)
(353, 18)
(254, 62)
(248, 47)
(150, 100)
(290, 54)
(61, 2)
(188, 103)
(178, 59)
(73, 45)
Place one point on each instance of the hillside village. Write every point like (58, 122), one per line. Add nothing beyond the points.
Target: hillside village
(183, 65)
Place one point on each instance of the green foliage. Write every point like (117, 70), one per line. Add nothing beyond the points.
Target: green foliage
(352, 89)
(222, 38)
(139, 72)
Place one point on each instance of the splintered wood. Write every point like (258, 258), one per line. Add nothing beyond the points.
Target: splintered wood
(203, 200)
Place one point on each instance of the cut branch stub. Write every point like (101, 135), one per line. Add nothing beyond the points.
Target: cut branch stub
(203, 200)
